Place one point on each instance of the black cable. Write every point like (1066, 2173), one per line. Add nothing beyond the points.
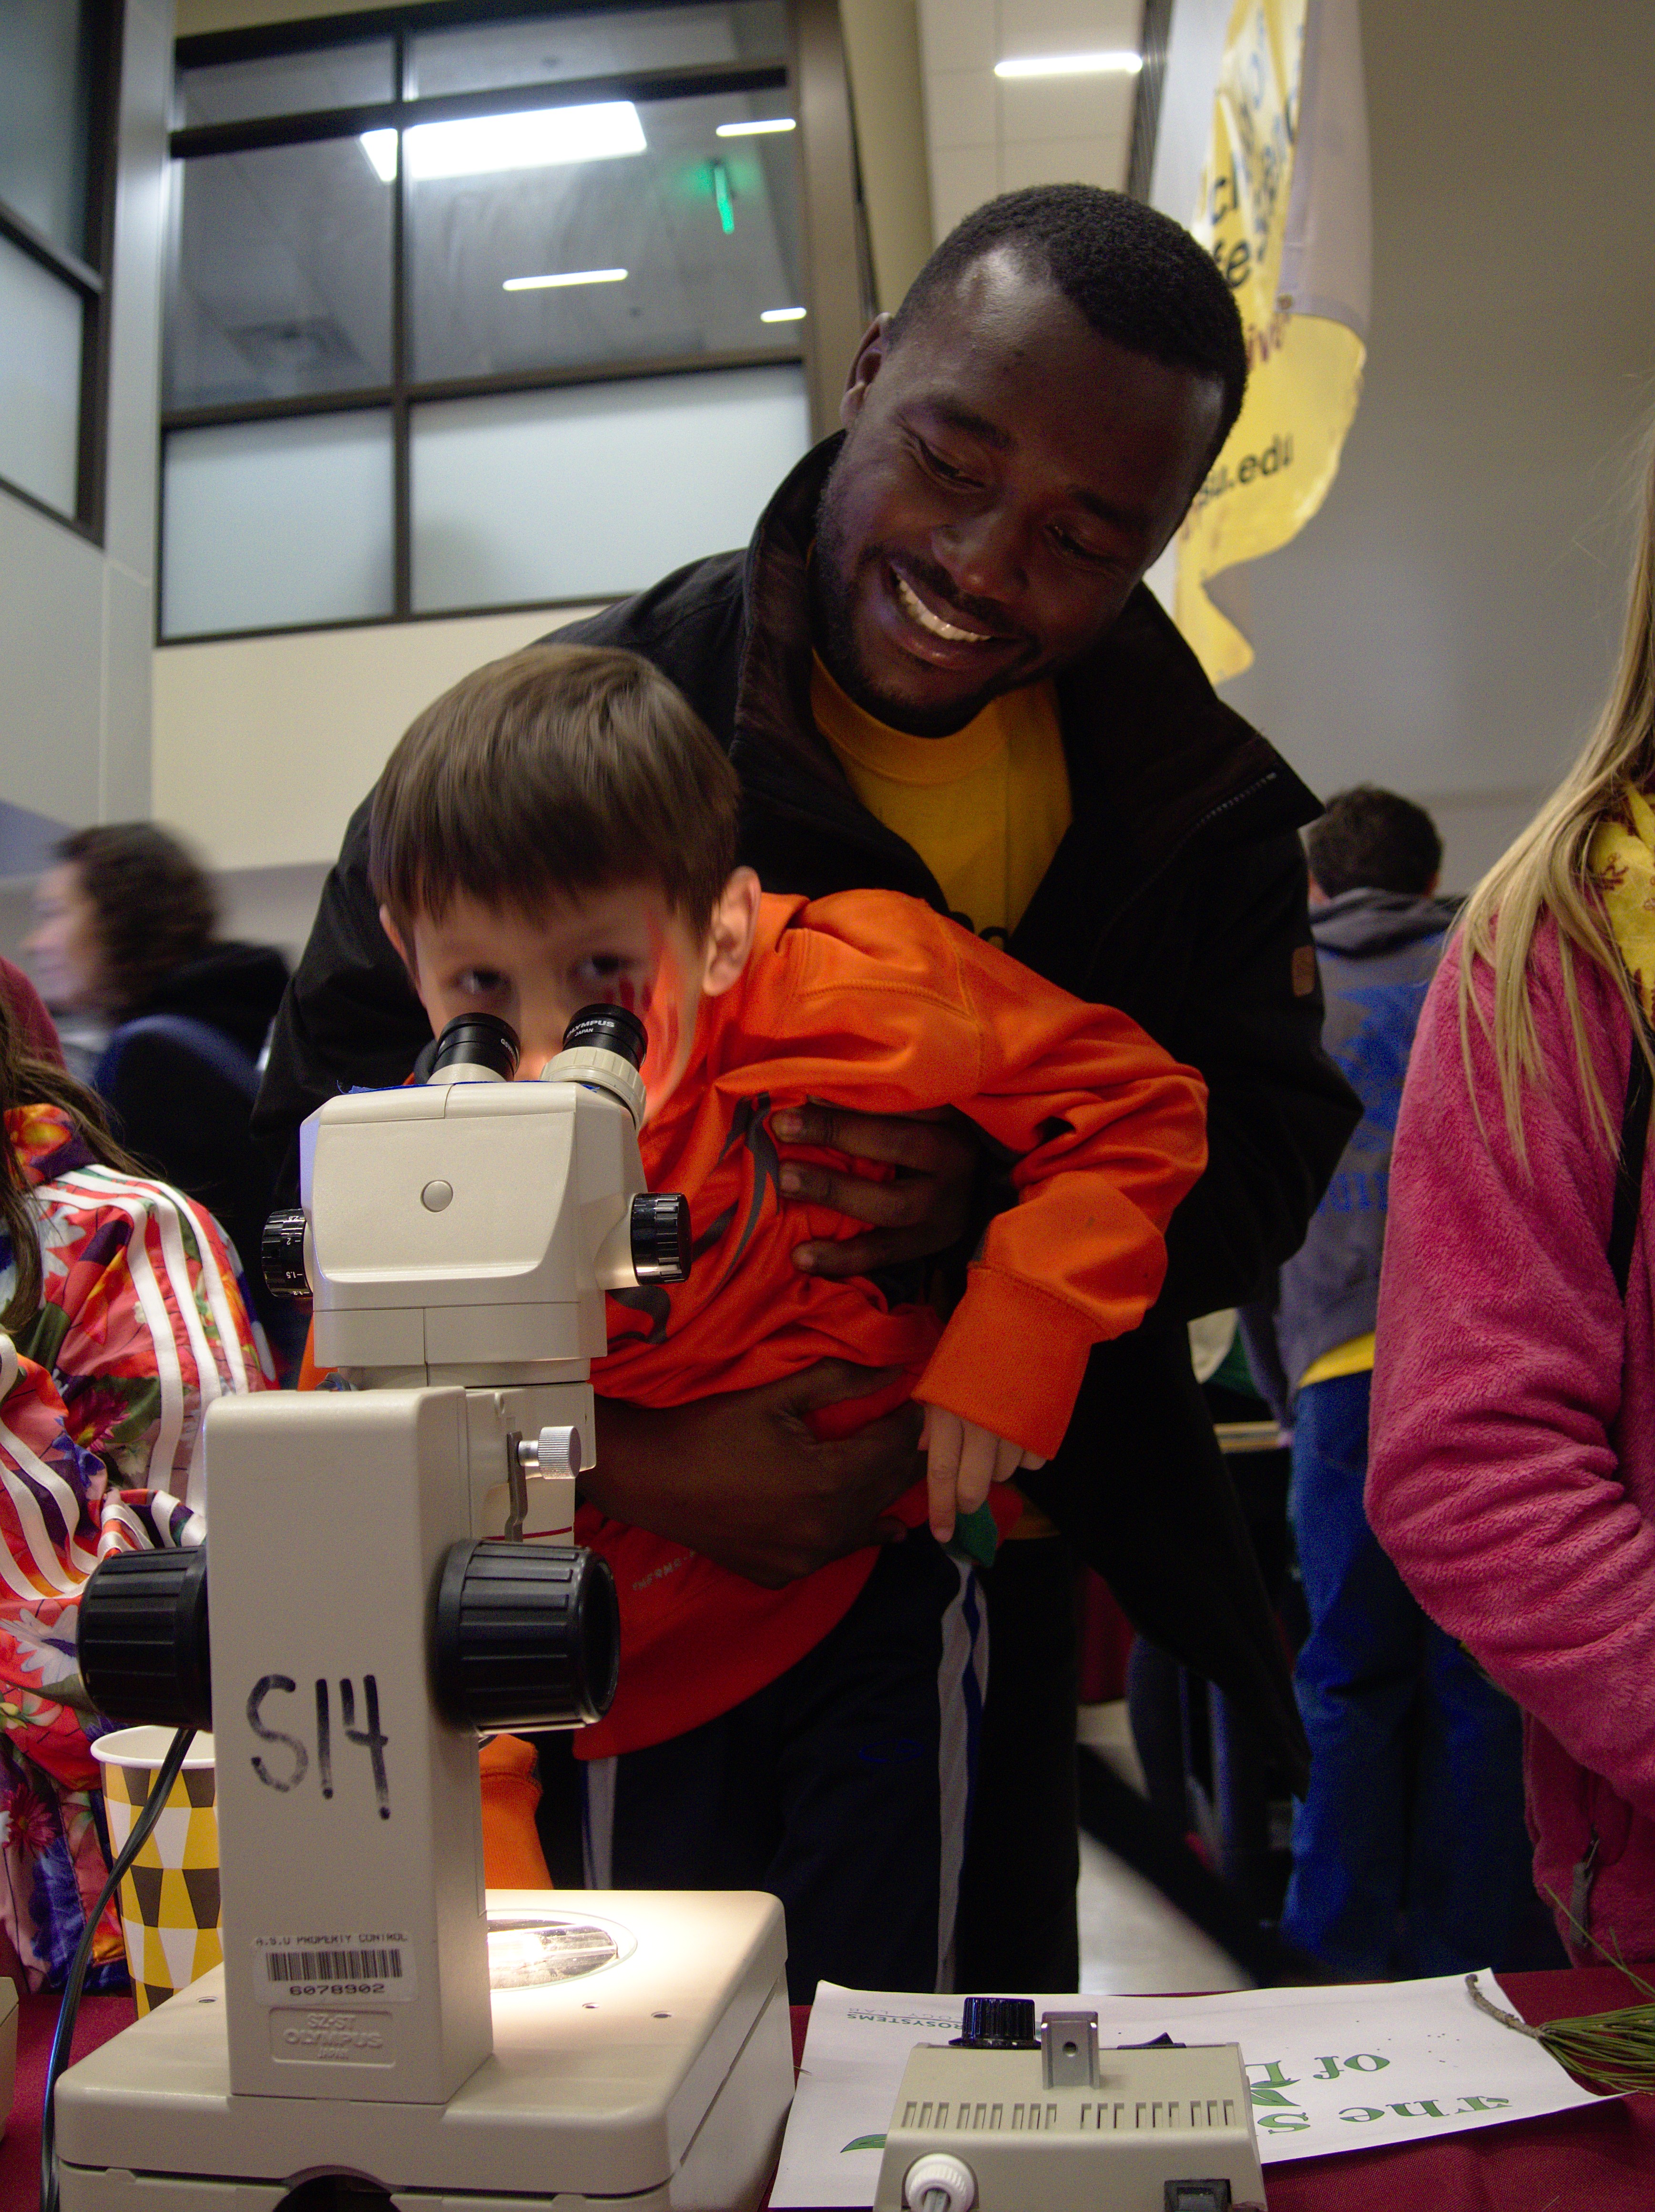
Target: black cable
(64, 2037)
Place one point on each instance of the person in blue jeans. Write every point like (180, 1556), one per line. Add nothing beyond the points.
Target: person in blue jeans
(1410, 1856)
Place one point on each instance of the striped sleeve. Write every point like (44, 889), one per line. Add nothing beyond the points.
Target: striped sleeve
(141, 1327)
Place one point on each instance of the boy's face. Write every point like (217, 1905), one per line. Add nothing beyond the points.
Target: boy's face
(622, 946)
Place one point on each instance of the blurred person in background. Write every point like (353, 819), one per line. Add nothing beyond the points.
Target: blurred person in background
(37, 1029)
(120, 1321)
(125, 932)
(1512, 1478)
(1409, 1854)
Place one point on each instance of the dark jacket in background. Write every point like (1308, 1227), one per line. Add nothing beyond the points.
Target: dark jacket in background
(180, 1075)
(1178, 894)
(1377, 951)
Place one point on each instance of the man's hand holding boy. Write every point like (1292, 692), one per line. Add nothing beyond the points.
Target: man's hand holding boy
(916, 1215)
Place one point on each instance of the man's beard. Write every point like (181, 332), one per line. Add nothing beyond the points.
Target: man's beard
(833, 574)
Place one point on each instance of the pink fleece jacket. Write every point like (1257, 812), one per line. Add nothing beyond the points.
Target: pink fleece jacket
(1512, 1470)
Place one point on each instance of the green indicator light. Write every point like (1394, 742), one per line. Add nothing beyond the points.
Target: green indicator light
(721, 194)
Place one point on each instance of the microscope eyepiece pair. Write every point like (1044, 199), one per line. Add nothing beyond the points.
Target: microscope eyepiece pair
(485, 1041)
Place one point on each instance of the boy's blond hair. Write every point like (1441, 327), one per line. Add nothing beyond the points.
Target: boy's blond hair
(561, 770)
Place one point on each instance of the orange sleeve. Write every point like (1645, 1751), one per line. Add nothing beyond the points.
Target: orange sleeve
(511, 1856)
(1107, 1130)
(310, 1376)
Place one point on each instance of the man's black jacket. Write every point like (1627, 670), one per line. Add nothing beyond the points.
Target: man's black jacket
(1177, 895)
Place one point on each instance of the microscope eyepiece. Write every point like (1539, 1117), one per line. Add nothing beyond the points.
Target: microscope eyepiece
(475, 1048)
(608, 1029)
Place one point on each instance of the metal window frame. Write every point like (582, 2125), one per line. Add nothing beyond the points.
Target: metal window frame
(837, 293)
(1155, 31)
(87, 274)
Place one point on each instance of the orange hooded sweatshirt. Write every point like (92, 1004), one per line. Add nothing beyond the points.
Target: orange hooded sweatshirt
(875, 1003)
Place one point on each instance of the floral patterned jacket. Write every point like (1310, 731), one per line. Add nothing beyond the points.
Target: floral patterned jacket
(102, 1397)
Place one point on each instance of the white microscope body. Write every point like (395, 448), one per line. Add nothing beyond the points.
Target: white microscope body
(458, 1238)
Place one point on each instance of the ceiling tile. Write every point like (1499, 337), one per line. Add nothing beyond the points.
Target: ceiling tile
(1067, 27)
(960, 108)
(1064, 108)
(1065, 161)
(962, 177)
(958, 35)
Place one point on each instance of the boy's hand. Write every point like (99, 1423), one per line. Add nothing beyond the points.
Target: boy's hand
(741, 1479)
(961, 1461)
(919, 1214)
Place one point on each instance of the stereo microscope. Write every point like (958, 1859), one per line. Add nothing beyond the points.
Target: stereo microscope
(391, 1576)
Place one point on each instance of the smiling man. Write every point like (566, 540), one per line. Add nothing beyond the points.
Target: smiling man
(1010, 473)
(937, 670)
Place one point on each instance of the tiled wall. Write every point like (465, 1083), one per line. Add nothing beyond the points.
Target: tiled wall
(989, 135)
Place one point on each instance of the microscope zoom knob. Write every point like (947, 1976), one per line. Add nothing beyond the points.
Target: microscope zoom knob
(660, 1236)
(142, 1639)
(528, 1636)
(281, 1253)
(997, 2024)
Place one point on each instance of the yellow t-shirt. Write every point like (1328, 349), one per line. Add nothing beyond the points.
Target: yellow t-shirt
(1354, 1357)
(985, 809)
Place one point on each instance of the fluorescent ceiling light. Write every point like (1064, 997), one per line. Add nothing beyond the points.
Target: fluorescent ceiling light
(1115, 64)
(566, 277)
(784, 315)
(756, 130)
(533, 138)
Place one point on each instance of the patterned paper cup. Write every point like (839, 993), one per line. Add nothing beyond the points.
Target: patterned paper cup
(169, 1899)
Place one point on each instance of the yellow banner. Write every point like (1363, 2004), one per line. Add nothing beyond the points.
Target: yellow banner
(1259, 209)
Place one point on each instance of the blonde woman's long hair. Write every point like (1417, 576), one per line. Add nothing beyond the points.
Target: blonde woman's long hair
(1546, 871)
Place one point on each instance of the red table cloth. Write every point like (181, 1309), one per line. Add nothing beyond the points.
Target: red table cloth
(1600, 2160)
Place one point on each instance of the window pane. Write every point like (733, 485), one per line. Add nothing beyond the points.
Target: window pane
(39, 380)
(706, 230)
(282, 275)
(287, 84)
(594, 490)
(269, 523)
(594, 43)
(44, 123)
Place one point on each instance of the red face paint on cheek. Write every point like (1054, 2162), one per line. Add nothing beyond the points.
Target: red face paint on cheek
(663, 1016)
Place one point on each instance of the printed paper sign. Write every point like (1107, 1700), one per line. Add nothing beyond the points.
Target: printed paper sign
(1332, 2070)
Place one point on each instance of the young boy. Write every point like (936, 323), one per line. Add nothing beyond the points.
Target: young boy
(559, 828)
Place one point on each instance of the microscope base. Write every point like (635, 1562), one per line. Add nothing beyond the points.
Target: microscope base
(663, 2079)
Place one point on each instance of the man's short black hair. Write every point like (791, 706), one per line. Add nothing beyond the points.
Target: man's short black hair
(1138, 277)
(1375, 841)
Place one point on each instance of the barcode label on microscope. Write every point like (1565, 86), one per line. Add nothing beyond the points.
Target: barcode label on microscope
(333, 1965)
(311, 1972)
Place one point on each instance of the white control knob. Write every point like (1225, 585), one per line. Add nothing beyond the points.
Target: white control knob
(939, 2182)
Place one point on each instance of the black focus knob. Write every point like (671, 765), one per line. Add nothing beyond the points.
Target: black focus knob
(608, 1029)
(142, 1639)
(281, 1253)
(997, 2024)
(478, 1040)
(660, 1236)
(528, 1636)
